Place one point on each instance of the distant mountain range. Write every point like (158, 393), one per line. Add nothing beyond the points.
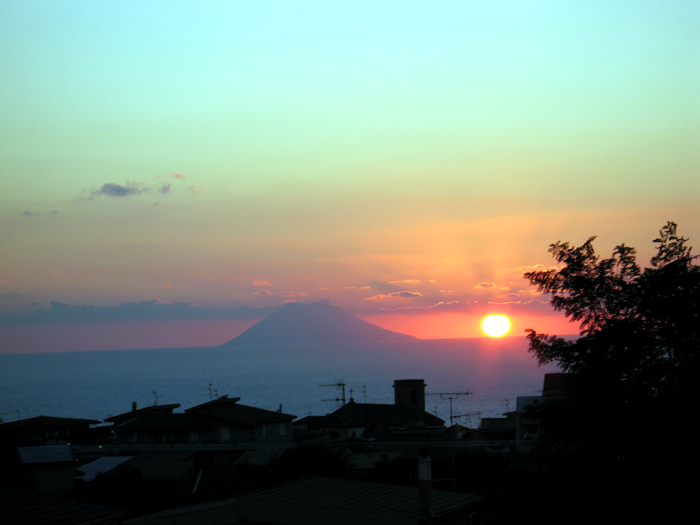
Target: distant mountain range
(315, 323)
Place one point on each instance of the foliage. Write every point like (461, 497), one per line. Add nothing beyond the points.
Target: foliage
(634, 366)
(641, 328)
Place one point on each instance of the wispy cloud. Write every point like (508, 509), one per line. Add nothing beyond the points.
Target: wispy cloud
(261, 282)
(281, 294)
(111, 189)
(534, 268)
(132, 188)
(404, 294)
(515, 306)
(485, 286)
(27, 213)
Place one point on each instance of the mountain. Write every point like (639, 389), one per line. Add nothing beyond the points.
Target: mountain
(296, 323)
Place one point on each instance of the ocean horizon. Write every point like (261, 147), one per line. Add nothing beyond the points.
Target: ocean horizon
(298, 379)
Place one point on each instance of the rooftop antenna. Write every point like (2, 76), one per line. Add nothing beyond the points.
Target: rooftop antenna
(340, 384)
(364, 393)
(450, 396)
(155, 394)
(213, 393)
(473, 416)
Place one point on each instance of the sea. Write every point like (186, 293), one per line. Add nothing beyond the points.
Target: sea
(467, 379)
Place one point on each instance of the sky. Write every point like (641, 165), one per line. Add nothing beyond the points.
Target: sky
(172, 171)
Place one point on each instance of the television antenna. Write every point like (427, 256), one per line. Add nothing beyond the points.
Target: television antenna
(340, 384)
(473, 416)
(450, 396)
(213, 392)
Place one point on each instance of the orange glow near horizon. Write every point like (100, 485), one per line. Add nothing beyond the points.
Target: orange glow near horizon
(458, 325)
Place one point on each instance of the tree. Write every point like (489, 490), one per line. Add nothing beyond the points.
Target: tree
(635, 365)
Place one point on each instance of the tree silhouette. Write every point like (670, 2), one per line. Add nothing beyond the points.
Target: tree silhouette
(634, 368)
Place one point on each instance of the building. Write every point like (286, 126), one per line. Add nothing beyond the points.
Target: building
(223, 420)
(406, 418)
(47, 430)
(21, 507)
(318, 500)
(322, 501)
(50, 467)
(526, 426)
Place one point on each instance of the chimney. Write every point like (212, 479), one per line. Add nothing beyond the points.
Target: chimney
(133, 406)
(425, 490)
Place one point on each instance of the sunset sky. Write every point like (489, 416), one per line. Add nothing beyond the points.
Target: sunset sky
(172, 171)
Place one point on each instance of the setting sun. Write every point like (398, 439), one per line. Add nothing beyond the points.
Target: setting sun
(495, 325)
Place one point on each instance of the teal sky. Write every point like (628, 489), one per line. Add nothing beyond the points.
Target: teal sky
(240, 154)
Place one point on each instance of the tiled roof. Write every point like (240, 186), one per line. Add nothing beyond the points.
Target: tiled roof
(385, 415)
(372, 500)
(50, 421)
(243, 415)
(220, 401)
(45, 454)
(228, 410)
(27, 508)
(90, 471)
(165, 422)
(141, 411)
(322, 422)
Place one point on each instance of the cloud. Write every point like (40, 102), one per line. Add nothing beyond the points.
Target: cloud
(281, 294)
(153, 310)
(533, 268)
(27, 213)
(110, 189)
(485, 285)
(515, 307)
(261, 282)
(131, 188)
(406, 281)
(449, 305)
(404, 293)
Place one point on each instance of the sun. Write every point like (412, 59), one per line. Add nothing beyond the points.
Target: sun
(495, 325)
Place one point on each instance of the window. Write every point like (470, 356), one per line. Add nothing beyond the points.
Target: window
(283, 429)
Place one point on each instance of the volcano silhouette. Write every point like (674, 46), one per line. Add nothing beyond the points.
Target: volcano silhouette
(315, 323)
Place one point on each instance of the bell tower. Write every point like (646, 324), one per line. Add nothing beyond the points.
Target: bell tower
(409, 392)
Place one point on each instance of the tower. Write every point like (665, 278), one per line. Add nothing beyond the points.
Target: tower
(409, 392)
